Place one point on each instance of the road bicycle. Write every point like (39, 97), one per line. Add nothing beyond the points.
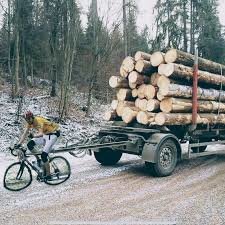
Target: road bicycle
(18, 175)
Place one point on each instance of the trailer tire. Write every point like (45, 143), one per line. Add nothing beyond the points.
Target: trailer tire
(166, 159)
(107, 157)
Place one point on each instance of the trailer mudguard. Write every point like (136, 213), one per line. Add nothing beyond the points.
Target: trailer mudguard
(149, 153)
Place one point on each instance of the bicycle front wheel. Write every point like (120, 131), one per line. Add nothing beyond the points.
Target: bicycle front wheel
(17, 177)
(59, 169)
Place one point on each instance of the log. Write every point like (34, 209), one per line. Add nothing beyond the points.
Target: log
(176, 56)
(159, 96)
(157, 58)
(132, 85)
(124, 94)
(142, 56)
(141, 104)
(128, 64)
(163, 81)
(153, 105)
(145, 67)
(114, 104)
(174, 118)
(145, 117)
(186, 118)
(172, 105)
(135, 77)
(182, 91)
(184, 72)
(129, 114)
(123, 72)
(121, 105)
(110, 115)
(154, 78)
(146, 91)
(118, 82)
(135, 93)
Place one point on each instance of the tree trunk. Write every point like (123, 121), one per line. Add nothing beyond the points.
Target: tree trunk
(174, 118)
(146, 91)
(121, 105)
(186, 118)
(182, 91)
(141, 104)
(129, 114)
(153, 105)
(135, 77)
(145, 67)
(118, 82)
(135, 93)
(142, 56)
(176, 56)
(181, 72)
(125, 29)
(154, 79)
(185, 105)
(110, 115)
(17, 64)
(157, 58)
(124, 94)
(128, 64)
(145, 118)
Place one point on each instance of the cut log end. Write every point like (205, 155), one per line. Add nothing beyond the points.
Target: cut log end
(110, 116)
(157, 58)
(171, 56)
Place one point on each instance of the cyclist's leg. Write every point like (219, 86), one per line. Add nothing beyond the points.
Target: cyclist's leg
(33, 142)
(49, 142)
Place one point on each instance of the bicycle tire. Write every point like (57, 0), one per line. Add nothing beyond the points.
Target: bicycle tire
(12, 178)
(63, 173)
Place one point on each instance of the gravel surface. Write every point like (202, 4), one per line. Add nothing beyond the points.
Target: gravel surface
(123, 194)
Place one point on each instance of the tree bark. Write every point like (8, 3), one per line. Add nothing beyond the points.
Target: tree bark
(172, 105)
(154, 79)
(176, 56)
(179, 71)
(174, 118)
(145, 67)
(182, 91)
(186, 118)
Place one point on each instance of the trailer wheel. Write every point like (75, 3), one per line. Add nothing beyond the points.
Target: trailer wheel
(107, 157)
(166, 159)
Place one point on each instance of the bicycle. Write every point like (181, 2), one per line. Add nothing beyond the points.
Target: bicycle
(18, 176)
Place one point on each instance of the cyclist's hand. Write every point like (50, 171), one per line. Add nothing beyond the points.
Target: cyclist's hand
(30, 136)
(17, 146)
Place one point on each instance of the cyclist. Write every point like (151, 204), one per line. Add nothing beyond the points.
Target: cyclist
(47, 134)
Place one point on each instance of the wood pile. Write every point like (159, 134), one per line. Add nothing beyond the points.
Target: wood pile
(156, 89)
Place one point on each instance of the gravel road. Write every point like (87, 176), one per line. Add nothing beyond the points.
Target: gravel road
(123, 194)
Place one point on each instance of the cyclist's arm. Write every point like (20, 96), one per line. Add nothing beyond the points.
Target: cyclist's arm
(24, 135)
(39, 134)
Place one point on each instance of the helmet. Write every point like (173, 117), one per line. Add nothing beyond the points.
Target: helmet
(29, 115)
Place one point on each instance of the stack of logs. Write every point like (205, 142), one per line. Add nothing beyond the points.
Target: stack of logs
(157, 90)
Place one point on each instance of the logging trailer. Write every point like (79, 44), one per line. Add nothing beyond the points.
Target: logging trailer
(158, 146)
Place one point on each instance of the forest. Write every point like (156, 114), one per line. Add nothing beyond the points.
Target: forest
(46, 39)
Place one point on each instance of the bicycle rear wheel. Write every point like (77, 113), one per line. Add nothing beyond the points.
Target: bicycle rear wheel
(17, 177)
(59, 169)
